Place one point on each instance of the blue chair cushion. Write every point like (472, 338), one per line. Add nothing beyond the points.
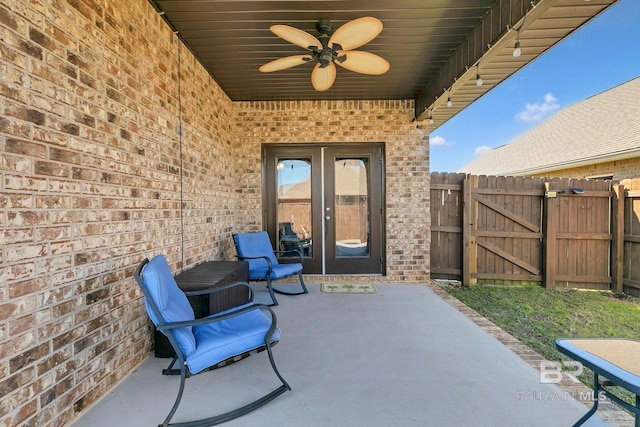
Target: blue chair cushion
(170, 300)
(279, 271)
(221, 340)
(252, 245)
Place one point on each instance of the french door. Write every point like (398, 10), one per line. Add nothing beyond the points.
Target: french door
(326, 201)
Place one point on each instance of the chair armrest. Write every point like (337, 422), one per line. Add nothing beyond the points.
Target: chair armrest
(223, 316)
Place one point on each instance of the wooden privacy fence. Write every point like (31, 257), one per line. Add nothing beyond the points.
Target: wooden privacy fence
(631, 247)
(559, 232)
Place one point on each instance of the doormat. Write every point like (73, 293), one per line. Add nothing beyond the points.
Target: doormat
(346, 288)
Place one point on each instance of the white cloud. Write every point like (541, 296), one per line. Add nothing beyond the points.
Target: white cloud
(438, 141)
(538, 111)
(479, 151)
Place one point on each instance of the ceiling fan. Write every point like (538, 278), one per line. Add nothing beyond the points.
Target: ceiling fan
(330, 50)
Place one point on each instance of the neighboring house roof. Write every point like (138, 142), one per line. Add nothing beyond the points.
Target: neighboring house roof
(604, 127)
(350, 180)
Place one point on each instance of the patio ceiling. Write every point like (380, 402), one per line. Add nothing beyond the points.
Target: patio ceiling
(435, 47)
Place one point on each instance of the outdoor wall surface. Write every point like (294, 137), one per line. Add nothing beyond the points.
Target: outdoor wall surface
(95, 178)
(116, 145)
(618, 169)
(407, 165)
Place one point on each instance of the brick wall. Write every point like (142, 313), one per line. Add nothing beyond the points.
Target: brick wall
(407, 164)
(619, 169)
(91, 183)
(95, 176)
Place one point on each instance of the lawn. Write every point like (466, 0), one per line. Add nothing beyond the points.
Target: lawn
(538, 316)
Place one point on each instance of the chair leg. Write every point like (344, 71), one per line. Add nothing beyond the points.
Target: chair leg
(174, 408)
(304, 288)
(275, 368)
(219, 419)
(271, 292)
(170, 370)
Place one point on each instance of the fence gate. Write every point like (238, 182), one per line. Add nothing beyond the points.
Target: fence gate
(578, 234)
(503, 229)
(446, 225)
(573, 233)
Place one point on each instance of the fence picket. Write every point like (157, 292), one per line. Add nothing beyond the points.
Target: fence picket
(560, 232)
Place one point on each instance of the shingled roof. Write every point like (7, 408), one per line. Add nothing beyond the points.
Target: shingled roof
(604, 127)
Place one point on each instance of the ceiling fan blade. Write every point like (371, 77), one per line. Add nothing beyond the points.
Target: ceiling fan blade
(323, 78)
(356, 33)
(296, 36)
(284, 63)
(364, 63)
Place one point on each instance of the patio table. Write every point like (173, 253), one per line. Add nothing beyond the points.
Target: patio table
(198, 282)
(617, 360)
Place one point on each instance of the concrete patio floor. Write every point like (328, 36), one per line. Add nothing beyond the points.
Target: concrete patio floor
(400, 357)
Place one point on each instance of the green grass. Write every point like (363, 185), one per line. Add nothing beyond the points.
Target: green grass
(538, 316)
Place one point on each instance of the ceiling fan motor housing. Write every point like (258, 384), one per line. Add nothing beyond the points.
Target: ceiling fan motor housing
(327, 54)
(324, 26)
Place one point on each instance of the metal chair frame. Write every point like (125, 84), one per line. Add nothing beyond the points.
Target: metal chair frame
(267, 278)
(168, 327)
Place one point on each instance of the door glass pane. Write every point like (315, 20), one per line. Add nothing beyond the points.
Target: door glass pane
(351, 207)
(294, 206)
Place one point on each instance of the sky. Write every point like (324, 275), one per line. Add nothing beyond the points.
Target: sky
(602, 54)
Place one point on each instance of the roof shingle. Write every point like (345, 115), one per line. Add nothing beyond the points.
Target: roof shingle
(601, 128)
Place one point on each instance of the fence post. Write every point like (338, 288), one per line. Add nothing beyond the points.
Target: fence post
(617, 238)
(549, 232)
(469, 225)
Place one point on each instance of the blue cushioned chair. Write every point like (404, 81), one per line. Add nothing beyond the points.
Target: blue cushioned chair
(208, 342)
(256, 248)
(290, 241)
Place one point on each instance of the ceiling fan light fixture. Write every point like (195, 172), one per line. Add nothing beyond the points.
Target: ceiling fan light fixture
(325, 57)
(330, 50)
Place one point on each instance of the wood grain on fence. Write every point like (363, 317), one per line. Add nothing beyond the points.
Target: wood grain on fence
(631, 257)
(578, 234)
(572, 233)
(507, 228)
(446, 225)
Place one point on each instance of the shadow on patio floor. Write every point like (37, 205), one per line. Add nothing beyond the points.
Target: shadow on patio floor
(402, 356)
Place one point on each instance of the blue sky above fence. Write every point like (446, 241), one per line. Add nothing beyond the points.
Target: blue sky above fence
(601, 55)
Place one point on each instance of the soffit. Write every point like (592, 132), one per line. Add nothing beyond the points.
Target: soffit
(433, 46)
